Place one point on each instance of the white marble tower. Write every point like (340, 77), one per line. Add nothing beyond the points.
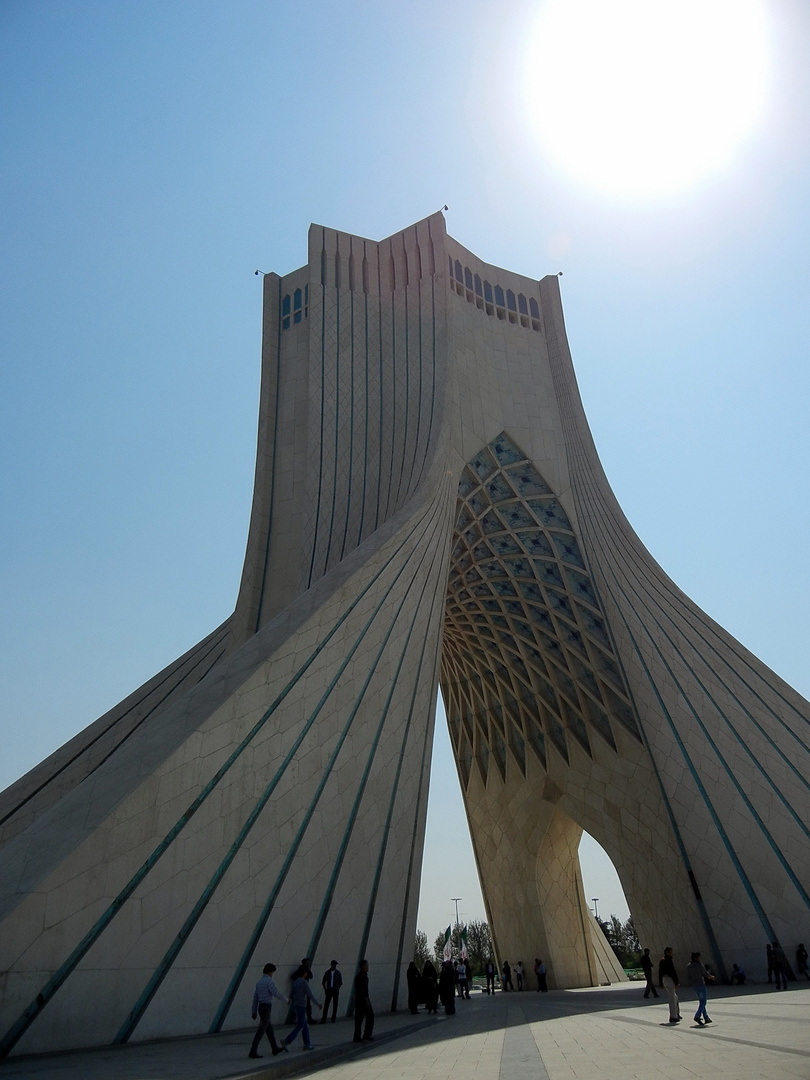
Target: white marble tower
(429, 508)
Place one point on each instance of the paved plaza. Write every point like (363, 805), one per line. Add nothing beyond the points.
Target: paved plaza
(595, 1034)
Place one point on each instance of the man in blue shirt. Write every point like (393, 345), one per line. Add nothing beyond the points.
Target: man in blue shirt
(263, 996)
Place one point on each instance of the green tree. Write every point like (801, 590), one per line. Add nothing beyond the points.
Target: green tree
(479, 945)
(623, 939)
(421, 949)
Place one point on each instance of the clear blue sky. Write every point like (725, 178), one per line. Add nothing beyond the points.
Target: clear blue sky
(154, 154)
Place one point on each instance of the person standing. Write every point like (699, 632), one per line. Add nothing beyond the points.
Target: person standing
(697, 975)
(489, 972)
(801, 961)
(647, 968)
(668, 981)
(331, 982)
(461, 976)
(300, 996)
(363, 1012)
(519, 974)
(430, 980)
(506, 977)
(447, 987)
(414, 980)
(540, 972)
(779, 966)
(263, 996)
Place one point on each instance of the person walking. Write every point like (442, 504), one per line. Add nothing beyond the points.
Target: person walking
(506, 977)
(647, 968)
(263, 996)
(331, 982)
(519, 974)
(306, 964)
(668, 981)
(780, 965)
(698, 976)
(363, 1012)
(300, 995)
(489, 972)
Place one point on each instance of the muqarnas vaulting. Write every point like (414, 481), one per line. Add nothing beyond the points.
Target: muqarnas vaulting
(429, 508)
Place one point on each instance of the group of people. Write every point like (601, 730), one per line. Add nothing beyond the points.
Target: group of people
(429, 987)
(778, 966)
(302, 999)
(540, 973)
(455, 978)
(698, 975)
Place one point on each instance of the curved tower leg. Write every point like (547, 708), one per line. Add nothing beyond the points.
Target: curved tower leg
(428, 507)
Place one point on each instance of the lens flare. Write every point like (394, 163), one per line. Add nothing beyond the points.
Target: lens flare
(645, 97)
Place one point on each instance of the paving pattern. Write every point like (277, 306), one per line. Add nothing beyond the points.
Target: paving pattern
(601, 1034)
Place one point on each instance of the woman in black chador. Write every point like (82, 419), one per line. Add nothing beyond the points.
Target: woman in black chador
(414, 987)
(430, 981)
(447, 987)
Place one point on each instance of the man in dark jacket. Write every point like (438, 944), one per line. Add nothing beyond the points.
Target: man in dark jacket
(362, 1005)
(331, 982)
(669, 982)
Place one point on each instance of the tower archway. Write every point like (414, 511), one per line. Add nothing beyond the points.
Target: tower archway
(429, 507)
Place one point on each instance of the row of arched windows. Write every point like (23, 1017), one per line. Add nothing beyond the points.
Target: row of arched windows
(493, 299)
(294, 307)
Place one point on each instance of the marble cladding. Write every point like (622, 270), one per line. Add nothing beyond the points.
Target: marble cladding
(428, 507)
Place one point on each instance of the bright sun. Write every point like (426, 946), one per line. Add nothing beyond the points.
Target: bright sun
(638, 98)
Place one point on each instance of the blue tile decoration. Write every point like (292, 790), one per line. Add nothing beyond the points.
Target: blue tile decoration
(524, 632)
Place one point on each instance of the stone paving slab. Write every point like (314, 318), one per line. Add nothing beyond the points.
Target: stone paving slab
(606, 1033)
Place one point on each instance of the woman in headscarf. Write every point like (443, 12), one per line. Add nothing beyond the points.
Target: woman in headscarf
(447, 987)
(414, 987)
(430, 981)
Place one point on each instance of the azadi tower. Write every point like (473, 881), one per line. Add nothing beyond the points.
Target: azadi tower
(429, 509)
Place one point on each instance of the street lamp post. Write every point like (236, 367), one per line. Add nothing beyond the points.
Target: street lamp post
(595, 901)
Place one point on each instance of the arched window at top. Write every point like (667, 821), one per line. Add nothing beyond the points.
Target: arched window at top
(535, 310)
(459, 275)
(499, 296)
(522, 307)
(487, 292)
(510, 300)
(467, 277)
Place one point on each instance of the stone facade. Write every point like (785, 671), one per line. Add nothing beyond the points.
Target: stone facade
(429, 508)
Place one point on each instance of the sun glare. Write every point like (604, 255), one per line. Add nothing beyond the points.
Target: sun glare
(637, 98)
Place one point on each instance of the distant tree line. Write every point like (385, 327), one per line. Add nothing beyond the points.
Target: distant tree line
(479, 946)
(621, 937)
